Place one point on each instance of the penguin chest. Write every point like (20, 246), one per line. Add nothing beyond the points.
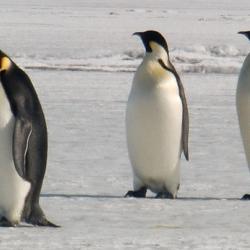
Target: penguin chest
(13, 189)
(154, 128)
(243, 106)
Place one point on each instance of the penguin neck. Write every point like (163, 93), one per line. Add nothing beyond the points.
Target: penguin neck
(150, 72)
(157, 53)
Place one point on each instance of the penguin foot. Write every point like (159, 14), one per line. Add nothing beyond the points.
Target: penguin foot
(141, 193)
(37, 218)
(6, 223)
(40, 221)
(164, 195)
(246, 197)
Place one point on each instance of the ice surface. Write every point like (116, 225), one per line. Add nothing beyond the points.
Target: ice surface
(80, 56)
(224, 59)
(92, 36)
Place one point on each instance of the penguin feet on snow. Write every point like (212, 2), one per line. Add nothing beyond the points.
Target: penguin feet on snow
(246, 197)
(37, 218)
(164, 195)
(6, 223)
(141, 193)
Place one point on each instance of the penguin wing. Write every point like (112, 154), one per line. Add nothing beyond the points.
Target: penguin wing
(185, 115)
(21, 136)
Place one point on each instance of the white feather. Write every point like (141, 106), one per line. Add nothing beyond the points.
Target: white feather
(13, 189)
(154, 126)
(243, 105)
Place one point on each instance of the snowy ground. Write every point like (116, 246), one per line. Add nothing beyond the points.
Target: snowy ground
(81, 58)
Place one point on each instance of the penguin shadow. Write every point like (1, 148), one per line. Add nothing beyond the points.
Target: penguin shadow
(208, 199)
(72, 196)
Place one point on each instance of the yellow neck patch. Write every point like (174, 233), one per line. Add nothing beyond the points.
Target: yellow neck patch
(158, 49)
(157, 70)
(5, 63)
(154, 46)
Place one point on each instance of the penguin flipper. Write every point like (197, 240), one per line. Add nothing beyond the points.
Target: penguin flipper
(185, 115)
(185, 121)
(21, 136)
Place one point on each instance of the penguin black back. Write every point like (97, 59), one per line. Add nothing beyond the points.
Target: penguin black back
(29, 136)
(20, 91)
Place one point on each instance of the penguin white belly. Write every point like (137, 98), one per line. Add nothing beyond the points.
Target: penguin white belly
(243, 106)
(13, 188)
(154, 129)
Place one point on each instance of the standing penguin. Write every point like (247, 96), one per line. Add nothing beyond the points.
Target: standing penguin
(243, 105)
(157, 121)
(23, 148)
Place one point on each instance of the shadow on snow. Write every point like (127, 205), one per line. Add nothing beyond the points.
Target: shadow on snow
(96, 196)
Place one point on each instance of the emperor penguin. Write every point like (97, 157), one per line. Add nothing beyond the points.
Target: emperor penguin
(157, 121)
(23, 147)
(243, 105)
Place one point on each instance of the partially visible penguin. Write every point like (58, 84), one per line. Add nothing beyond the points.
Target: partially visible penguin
(243, 105)
(157, 122)
(23, 148)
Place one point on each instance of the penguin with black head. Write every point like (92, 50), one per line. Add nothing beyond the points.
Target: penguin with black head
(157, 121)
(23, 148)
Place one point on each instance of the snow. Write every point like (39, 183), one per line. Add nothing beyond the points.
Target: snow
(81, 57)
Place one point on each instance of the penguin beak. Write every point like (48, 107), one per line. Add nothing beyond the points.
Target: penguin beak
(242, 32)
(245, 33)
(137, 34)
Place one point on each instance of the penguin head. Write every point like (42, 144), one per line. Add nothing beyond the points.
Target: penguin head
(246, 33)
(5, 62)
(153, 41)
